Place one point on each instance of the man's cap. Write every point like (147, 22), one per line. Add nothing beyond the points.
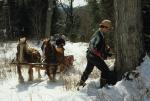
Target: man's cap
(106, 23)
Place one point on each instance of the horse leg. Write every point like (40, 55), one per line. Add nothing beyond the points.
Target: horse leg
(20, 78)
(48, 72)
(30, 72)
(37, 69)
(39, 74)
(54, 70)
(62, 70)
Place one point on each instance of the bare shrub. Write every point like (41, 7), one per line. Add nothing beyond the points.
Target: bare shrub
(70, 81)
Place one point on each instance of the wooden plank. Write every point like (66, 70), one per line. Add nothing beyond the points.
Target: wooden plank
(16, 63)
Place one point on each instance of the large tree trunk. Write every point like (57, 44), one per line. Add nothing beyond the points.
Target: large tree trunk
(128, 35)
(49, 18)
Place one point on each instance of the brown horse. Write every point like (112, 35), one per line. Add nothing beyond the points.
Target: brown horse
(26, 54)
(54, 57)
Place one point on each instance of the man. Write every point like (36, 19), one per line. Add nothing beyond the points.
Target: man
(59, 40)
(96, 54)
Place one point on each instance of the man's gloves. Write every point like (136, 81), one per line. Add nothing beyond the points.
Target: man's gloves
(108, 51)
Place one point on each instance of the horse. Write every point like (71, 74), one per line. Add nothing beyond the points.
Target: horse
(54, 57)
(26, 54)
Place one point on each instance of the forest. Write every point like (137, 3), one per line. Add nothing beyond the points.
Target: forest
(49, 50)
(37, 19)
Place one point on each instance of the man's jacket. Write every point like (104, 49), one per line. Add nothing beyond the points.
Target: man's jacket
(97, 45)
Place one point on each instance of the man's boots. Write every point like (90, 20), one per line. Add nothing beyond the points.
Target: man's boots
(81, 83)
(103, 82)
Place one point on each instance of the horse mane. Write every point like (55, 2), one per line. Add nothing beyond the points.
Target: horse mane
(48, 40)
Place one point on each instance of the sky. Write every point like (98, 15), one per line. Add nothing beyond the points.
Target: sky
(136, 89)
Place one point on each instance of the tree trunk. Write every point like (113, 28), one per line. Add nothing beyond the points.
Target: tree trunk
(128, 35)
(49, 18)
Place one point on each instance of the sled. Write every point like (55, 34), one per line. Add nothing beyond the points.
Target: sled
(68, 61)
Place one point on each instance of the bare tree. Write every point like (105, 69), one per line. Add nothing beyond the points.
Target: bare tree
(49, 17)
(128, 35)
(68, 9)
(37, 16)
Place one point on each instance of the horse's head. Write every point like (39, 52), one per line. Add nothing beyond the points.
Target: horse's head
(47, 47)
(21, 48)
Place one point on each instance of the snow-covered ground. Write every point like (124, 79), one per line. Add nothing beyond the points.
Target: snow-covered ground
(136, 89)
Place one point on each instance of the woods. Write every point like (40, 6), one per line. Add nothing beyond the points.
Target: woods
(37, 19)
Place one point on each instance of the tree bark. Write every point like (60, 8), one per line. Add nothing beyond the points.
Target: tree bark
(128, 35)
(49, 18)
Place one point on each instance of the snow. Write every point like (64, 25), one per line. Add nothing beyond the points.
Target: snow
(76, 3)
(136, 89)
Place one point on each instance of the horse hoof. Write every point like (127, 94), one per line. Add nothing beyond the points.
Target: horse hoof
(53, 80)
(30, 79)
(21, 81)
(39, 76)
(50, 78)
